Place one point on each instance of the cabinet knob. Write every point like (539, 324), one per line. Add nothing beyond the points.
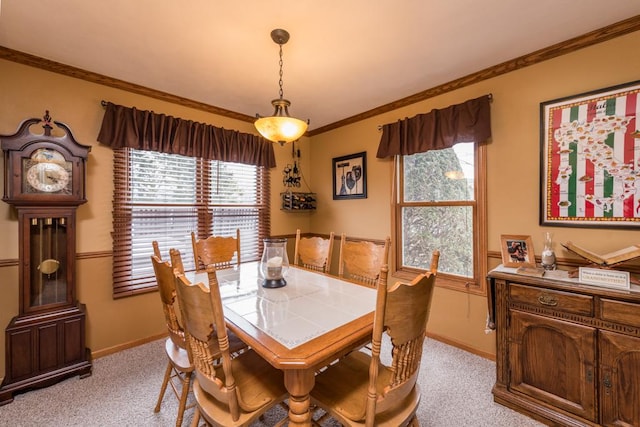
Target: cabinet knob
(547, 300)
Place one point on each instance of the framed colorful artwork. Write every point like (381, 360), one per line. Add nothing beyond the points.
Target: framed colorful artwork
(590, 159)
(350, 176)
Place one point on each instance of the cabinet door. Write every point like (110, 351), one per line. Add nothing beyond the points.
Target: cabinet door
(553, 361)
(619, 379)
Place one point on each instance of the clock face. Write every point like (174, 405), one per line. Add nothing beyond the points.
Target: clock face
(48, 177)
(47, 171)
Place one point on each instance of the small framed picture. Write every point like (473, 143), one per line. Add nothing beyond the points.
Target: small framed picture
(350, 176)
(517, 251)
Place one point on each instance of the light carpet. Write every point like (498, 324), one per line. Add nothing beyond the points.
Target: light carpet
(456, 391)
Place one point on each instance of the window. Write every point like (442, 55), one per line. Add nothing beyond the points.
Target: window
(165, 197)
(440, 205)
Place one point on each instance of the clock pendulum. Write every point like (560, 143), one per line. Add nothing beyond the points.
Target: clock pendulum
(46, 262)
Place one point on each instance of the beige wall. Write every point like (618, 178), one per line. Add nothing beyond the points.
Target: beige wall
(27, 92)
(513, 170)
(513, 203)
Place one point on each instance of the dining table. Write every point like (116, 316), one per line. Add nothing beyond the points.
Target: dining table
(300, 328)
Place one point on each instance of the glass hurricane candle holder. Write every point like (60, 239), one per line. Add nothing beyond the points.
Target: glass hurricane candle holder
(275, 263)
(548, 255)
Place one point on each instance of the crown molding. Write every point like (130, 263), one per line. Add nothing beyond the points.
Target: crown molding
(594, 37)
(78, 73)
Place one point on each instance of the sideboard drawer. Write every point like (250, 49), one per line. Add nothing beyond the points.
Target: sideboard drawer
(546, 298)
(619, 312)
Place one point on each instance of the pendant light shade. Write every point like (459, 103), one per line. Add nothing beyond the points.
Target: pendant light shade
(280, 127)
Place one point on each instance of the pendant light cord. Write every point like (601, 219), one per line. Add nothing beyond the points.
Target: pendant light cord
(280, 81)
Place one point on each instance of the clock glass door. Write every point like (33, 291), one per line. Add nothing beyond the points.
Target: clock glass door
(48, 264)
(47, 171)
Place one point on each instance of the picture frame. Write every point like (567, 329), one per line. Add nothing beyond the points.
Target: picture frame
(588, 175)
(517, 251)
(350, 176)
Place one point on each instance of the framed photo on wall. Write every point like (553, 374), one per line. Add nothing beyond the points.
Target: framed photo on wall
(517, 251)
(350, 176)
(590, 159)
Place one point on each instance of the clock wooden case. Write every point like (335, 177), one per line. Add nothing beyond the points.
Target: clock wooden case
(45, 181)
(44, 169)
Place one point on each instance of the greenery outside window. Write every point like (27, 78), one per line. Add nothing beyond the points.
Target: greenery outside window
(165, 197)
(440, 204)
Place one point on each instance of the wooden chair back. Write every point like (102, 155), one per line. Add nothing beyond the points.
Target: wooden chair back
(156, 249)
(201, 307)
(402, 311)
(361, 260)
(166, 287)
(220, 252)
(313, 253)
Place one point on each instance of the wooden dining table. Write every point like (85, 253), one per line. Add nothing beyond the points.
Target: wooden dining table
(299, 328)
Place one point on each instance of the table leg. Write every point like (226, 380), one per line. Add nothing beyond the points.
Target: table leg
(299, 383)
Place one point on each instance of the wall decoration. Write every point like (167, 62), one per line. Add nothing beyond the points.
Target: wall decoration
(350, 176)
(291, 172)
(590, 159)
(517, 251)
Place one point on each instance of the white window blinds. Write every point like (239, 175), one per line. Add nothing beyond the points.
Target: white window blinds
(164, 197)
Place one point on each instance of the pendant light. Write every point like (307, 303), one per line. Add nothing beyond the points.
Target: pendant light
(280, 127)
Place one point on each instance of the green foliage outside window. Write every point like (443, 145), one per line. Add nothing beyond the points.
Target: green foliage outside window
(437, 209)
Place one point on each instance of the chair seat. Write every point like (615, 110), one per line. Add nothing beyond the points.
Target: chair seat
(346, 400)
(236, 345)
(178, 356)
(260, 385)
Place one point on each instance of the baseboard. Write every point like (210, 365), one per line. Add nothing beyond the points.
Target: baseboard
(462, 346)
(111, 350)
(115, 349)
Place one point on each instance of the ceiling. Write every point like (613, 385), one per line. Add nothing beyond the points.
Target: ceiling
(343, 58)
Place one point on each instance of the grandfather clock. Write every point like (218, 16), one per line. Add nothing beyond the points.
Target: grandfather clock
(45, 181)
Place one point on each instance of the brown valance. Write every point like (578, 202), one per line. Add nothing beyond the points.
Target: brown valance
(438, 129)
(145, 130)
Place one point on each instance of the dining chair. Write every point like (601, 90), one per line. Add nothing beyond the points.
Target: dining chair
(359, 390)
(240, 389)
(313, 253)
(179, 366)
(360, 260)
(236, 345)
(219, 251)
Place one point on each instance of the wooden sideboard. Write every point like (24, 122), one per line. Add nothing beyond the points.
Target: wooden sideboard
(567, 354)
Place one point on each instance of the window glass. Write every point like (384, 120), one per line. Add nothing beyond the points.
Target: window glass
(426, 229)
(440, 174)
(437, 209)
